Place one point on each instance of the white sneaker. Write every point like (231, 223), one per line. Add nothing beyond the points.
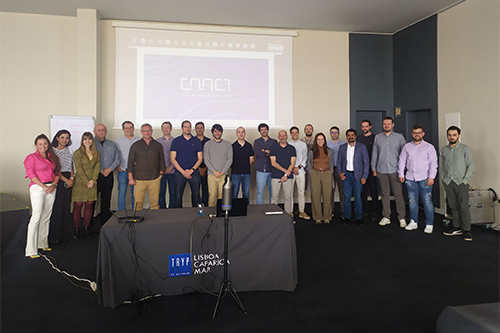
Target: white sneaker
(428, 229)
(402, 223)
(412, 225)
(384, 221)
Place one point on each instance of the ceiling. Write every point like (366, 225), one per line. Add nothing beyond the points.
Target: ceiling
(374, 16)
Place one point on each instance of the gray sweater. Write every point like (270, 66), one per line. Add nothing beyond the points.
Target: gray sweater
(218, 156)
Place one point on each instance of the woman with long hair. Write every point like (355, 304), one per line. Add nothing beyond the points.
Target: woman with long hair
(320, 164)
(87, 163)
(60, 219)
(43, 169)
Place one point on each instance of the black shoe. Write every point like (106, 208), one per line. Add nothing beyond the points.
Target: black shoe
(454, 232)
(360, 222)
(345, 220)
(467, 236)
(374, 217)
(86, 233)
(76, 234)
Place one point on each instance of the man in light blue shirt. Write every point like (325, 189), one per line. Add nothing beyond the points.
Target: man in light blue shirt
(334, 145)
(110, 160)
(299, 172)
(124, 144)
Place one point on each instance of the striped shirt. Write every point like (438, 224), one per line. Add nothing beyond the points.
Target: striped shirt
(65, 158)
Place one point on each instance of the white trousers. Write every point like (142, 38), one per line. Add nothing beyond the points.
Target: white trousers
(38, 228)
(287, 190)
(301, 190)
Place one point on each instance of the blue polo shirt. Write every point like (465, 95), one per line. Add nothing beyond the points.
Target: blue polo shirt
(283, 156)
(187, 151)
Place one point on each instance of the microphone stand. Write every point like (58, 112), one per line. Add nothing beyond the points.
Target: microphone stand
(226, 286)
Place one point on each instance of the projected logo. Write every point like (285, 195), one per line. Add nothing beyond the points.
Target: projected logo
(179, 264)
(205, 84)
(206, 87)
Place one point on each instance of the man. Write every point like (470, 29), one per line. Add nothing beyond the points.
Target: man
(218, 157)
(262, 147)
(334, 145)
(186, 155)
(146, 164)
(354, 166)
(110, 160)
(199, 128)
(419, 158)
(299, 173)
(457, 168)
(385, 157)
(243, 157)
(370, 188)
(308, 139)
(283, 157)
(124, 143)
(168, 175)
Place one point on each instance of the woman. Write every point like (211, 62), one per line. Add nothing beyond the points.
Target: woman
(87, 165)
(320, 164)
(60, 218)
(42, 167)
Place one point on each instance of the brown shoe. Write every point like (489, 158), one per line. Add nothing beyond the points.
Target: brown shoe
(304, 216)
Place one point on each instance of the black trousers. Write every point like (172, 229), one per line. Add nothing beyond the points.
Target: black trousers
(370, 189)
(104, 188)
(61, 220)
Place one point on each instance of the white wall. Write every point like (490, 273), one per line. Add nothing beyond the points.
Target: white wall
(37, 79)
(469, 83)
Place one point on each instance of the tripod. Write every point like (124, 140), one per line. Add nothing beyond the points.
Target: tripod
(226, 286)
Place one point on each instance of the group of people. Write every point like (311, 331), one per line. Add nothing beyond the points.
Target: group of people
(60, 178)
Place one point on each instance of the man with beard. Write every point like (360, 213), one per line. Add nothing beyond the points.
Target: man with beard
(419, 158)
(283, 157)
(218, 157)
(370, 187)
(457, 168)
(308, 139)
(334, 145)
(262, 148)
(186, 155)
(354, 166)
(385, 157)
(200, 134)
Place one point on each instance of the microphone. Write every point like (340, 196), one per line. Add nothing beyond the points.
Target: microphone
(227, 195)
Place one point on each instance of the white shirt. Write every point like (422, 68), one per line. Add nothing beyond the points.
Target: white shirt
(301, 150)
(350, 157)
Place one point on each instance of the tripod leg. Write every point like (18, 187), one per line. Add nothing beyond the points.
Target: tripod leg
(222, 293)
(232, 291)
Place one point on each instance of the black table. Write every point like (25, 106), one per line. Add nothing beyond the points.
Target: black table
(136, 260)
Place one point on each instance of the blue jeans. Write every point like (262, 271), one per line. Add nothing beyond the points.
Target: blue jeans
(122, 191)
(422, 190)
(244, 180)
(163, 191)
(351, 185)
(179, 185)
(263, 178)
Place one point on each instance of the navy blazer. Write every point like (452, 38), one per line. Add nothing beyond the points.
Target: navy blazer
(361, 161)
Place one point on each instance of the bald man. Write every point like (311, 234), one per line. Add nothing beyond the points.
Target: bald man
(283, 157)
(110, 160)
